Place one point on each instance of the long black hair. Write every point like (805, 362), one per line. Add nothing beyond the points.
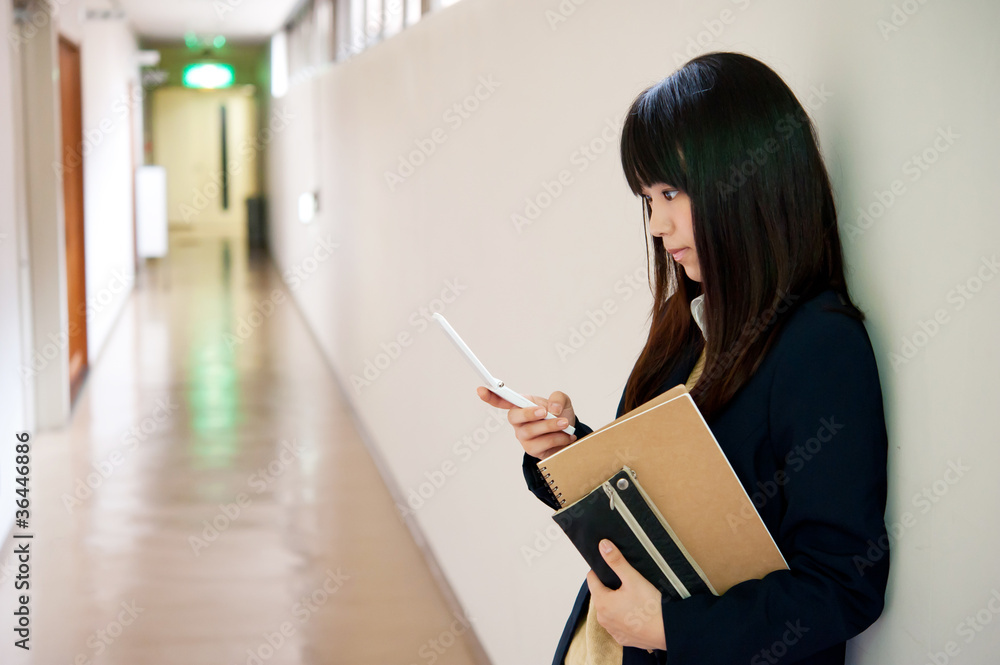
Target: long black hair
(727, 131)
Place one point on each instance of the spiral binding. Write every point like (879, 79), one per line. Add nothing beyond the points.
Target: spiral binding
(552, 486)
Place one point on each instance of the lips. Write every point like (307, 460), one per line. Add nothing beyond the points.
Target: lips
(678, 254)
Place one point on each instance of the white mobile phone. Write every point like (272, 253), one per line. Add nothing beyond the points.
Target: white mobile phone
(495, 385)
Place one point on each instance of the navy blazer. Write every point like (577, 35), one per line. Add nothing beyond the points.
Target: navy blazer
(806, 437)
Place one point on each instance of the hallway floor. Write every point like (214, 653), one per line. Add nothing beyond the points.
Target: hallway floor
(211, 501)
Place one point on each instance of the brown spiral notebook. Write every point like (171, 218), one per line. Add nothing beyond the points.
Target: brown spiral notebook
(688, 478)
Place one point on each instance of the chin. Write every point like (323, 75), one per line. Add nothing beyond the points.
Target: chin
(694, 275)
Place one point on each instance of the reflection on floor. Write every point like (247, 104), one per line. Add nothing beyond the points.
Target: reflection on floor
(211, 502)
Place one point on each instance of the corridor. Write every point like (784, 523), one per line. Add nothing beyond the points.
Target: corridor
(211, 502)
(226, 227)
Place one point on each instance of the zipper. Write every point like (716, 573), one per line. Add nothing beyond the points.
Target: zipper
(647, 544)
(673, 536)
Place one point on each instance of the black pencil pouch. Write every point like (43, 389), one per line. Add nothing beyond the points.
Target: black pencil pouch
(621, 511)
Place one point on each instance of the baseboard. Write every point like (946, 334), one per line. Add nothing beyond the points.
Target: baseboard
(397, 494)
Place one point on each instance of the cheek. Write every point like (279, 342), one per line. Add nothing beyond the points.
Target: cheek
(684, 220)
(688, 226)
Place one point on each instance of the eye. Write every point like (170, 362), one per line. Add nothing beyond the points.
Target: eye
(668, 194)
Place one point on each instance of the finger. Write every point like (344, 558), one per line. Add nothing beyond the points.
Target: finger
(526, 414)
(537, 443)
(544, 446)
(594, 583)
(548, 452)
(532, 425)
(557, 402)
(613, 557)
(492, 398)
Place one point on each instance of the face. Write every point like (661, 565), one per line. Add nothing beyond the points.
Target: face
(670, 221)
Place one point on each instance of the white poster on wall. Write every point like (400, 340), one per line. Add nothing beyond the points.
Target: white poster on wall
(151, 211)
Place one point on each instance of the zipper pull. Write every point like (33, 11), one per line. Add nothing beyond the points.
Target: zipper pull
(610, 492)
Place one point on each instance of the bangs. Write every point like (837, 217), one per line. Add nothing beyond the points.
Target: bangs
(650, 148)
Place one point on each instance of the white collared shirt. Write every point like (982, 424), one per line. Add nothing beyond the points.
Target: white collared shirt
(698, 312)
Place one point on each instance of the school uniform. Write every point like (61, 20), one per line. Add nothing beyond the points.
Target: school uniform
(806, 437)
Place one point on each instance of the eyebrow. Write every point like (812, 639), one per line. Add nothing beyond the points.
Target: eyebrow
(644, 188)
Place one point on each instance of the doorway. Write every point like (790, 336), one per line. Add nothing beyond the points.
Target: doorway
(207, 141)
(72, 170)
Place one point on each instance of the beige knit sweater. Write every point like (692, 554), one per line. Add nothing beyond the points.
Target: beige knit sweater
(591, 644)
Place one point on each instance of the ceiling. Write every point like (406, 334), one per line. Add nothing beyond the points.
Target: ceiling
(236, 20)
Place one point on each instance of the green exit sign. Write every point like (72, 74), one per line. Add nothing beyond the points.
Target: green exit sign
(208, 75)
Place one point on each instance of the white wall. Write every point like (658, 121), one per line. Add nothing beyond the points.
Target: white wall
(13, 393)
(107, 67)
(41, 132)
(878, 100)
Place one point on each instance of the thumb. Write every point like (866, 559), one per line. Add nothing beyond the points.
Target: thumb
(613, 557)
(557, 402)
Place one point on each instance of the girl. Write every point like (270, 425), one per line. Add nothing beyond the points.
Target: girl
(751, 311)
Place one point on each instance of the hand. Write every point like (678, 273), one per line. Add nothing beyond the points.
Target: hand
(540, 437)
(631, 614)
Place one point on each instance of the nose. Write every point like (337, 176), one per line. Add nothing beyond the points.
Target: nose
(660, 224)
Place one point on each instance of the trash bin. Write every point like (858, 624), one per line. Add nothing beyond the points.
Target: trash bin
(256, 223)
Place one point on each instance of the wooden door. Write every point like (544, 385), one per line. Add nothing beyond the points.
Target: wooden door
(72, 173)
